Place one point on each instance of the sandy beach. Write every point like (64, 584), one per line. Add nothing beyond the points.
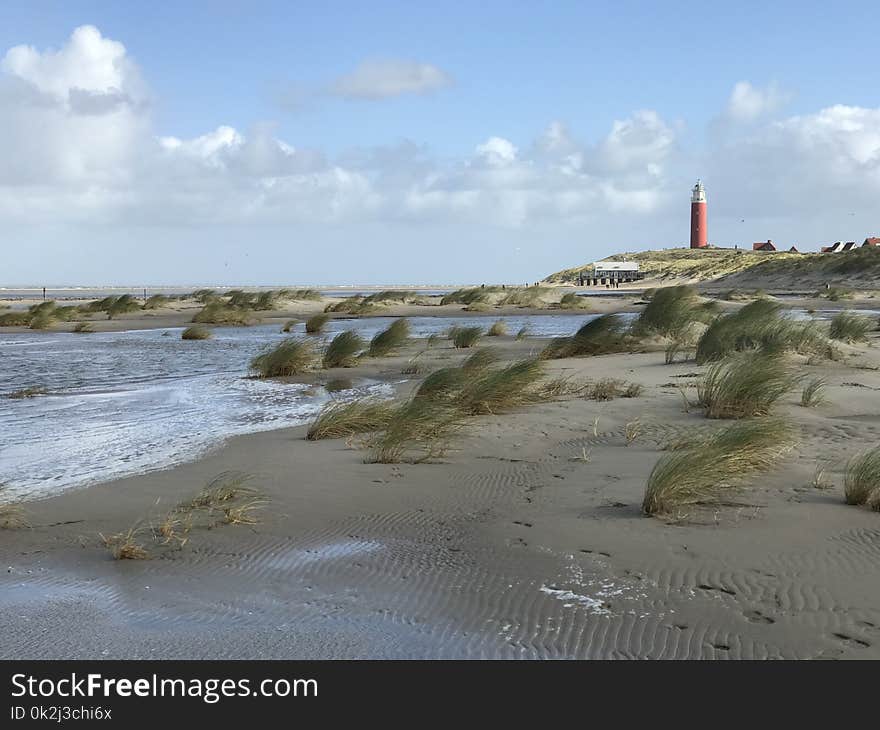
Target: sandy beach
(526, 540)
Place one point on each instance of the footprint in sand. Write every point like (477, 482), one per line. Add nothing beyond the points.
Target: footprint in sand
(756, 617)
(597, 552)
(851, 640)
(722, 589)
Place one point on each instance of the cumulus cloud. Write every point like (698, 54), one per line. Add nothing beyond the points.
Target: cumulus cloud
(748, 103)
(385, 78)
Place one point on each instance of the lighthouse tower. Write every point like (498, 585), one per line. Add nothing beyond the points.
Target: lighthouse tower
(699, 230)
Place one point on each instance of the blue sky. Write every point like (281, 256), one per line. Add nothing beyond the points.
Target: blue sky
(408, 167)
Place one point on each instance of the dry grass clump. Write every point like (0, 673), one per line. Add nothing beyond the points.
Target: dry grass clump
(196, 332)
(291, 357)
(84, 328)
(340, 419)
(419, 430)
(498, 329)
(173, 528)
(745, 384)
(602, 335)
(812, 394)
(672, 310)
(861, 483)
(463, 337)
(243, 514)
(390, 339)
(414, 365)
(289, 325)
(316, 323)
(820, 480)
(126, 545)
(559, 387)
(220, 313)
(343, 350)
(758, 324)
(226, 487)
(29, 392)
(225, 500)
(610, 388)
(12, 514)
(632, 430)
(523, 333)
(850, 327)
(715, 465)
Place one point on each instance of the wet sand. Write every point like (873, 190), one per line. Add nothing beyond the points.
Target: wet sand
(525, 541)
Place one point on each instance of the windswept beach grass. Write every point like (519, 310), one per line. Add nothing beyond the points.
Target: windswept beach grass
(497, 390)
(745, 384)
(464, 337)
(758, 324)
(340, 419)
(219, 313)
(497, 329)
(862, 479)
(316, 323)
(390, 339)
(714, 466)
(673, 310)
(343, 350)
(602, 335)
(419, 430)
(850, 327)
(196, 332)
(291, 357)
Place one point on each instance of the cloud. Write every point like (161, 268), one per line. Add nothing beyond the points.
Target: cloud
(383, 79)
(496, 152)
(748, 103)
(80, 152)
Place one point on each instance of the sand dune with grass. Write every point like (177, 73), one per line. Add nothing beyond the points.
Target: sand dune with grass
(517, 498)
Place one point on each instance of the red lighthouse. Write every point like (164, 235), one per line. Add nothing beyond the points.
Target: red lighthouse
(699, 230)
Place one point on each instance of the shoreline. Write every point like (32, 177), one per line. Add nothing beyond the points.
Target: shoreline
(525, 541)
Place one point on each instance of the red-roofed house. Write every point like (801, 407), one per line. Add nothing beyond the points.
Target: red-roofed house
(793, 249)
(764, 246)
(873, 241)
